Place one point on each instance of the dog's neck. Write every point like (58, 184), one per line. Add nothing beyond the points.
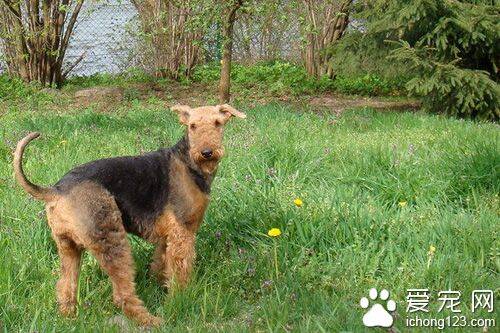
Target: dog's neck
(202, 179)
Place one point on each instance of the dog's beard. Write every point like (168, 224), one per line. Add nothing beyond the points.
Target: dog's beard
(208, 166)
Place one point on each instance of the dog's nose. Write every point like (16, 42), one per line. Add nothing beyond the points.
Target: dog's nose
(207, 153)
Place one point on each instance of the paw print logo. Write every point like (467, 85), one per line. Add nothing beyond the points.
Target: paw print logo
(378, 315)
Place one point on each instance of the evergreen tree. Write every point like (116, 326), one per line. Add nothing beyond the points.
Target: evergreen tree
(450, 46)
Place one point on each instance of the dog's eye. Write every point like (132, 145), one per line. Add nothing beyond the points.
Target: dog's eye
(192, 126)
(217, 123)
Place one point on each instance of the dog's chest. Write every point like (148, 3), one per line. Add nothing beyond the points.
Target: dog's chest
(185, 208)
(187, 200)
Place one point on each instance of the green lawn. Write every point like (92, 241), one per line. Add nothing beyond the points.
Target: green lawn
(378, 189)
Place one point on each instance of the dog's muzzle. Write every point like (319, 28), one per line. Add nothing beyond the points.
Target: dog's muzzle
(207, 153)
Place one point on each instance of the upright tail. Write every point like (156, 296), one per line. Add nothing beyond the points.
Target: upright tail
(40, 193)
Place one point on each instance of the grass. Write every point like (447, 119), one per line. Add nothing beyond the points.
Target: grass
(354, 174)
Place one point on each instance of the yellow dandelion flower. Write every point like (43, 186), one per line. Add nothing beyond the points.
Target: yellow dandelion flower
(432, 249)
(403, 203)
(298, 202)
(274, 232)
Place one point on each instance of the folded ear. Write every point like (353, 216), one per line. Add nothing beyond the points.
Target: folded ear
(183, 111)
(229, 111)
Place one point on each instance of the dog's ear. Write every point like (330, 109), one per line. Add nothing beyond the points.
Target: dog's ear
(183, 111)
(229, 111)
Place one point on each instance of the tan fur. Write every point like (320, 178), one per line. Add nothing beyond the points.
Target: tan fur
(175, 229)
(36, 191)
(205, 130)
(88, 218)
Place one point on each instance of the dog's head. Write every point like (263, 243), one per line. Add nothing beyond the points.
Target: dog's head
(204, 132)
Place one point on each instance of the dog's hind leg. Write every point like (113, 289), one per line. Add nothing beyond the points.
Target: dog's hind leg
(101, 228)
(70, 255)
(116, 260)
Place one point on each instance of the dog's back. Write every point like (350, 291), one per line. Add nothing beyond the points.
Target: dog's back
(139, 184)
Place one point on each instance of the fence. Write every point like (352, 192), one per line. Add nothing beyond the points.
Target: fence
(105, 36)
(101, 35)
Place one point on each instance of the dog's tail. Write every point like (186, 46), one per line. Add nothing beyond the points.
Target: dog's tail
(40, 193)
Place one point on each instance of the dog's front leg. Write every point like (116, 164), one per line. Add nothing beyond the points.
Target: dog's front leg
(179, 256)
(157, 267)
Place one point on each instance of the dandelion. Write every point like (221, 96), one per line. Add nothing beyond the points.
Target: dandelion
(298, 202)
(403, 203)
(274, 232)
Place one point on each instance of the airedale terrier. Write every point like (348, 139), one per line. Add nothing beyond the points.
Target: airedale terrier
(160, 196)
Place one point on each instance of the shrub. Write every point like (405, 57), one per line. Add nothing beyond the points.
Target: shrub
(369, 84)
(450, 89)
(13, 88)
(284, 77)
(357, 55)
(452, 47)
(106, 79)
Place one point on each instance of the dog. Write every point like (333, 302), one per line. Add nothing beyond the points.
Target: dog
(160, 196)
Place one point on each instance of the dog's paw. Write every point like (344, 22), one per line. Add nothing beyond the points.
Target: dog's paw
(150, 321)
(67, 309)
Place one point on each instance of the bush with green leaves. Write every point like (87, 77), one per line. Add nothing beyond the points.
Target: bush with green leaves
(281, 77)
(12, 88)
(452, 48)
(369, 85)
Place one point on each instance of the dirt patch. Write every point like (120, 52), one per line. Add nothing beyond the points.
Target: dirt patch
(195, 94)
(338, 104)
(99, 92)
(104, 98)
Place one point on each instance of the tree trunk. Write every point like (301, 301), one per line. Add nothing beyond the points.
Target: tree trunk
(325, 24)
(227, 52)
(225, 70)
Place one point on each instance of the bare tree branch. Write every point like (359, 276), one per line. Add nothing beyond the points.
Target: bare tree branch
(73, 65)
